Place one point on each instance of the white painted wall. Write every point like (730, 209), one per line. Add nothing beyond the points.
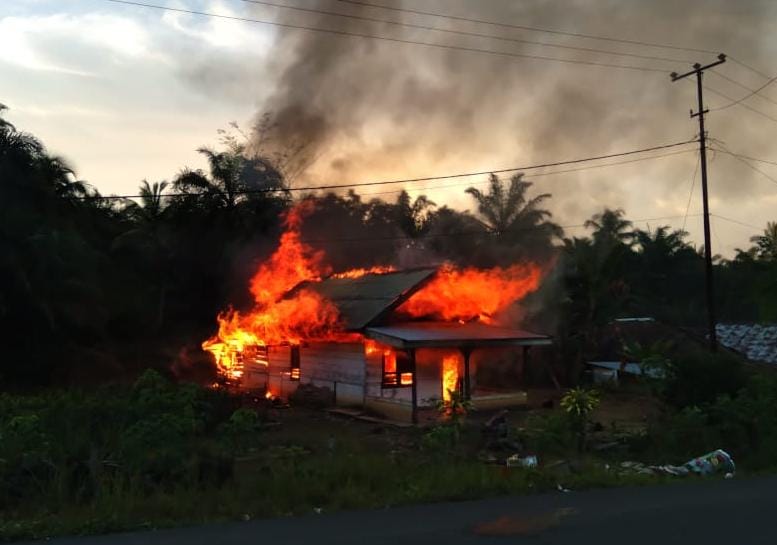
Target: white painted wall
(280, 364)
(337, 366)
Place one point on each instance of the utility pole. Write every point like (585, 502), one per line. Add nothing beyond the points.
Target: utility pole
(698, 69)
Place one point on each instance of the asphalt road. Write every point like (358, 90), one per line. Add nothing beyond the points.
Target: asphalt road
(731, 512)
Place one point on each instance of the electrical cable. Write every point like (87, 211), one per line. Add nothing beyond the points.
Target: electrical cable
(747, 157)
(743, 65)
(532, 176)
(426, 178)
(758, 170)
(724, 218)
(690, 194)
(386, 38)
(524, 27)
(750, 94)
(464, 233)
(462, 32)
(743, 105)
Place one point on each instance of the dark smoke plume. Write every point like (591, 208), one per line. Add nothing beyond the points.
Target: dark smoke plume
(346, 109)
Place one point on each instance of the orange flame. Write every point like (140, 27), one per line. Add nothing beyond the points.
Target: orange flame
(293, 262)
(466, 294)
(356, 273)
(391, 373)
(283, 316)
(450, 375)
(276, 317)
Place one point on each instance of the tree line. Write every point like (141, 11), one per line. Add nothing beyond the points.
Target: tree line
(94, 289)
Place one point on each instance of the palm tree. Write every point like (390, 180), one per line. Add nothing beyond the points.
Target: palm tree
(50, 264)
(609, 226)
(151, 207)
(661, 243)
(233, 178)
(595, 293)
(516, 219)
(412, 216)
(147, 239)
(766, 243)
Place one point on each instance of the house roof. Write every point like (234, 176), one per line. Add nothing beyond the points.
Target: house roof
(445, 334)
(754, 341)
(365, 300)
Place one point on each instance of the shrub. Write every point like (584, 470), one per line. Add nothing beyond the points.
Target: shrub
(67, 448)
(578, 404)
(441, 439)
(743, 424)
(551, 434)
(698, 377)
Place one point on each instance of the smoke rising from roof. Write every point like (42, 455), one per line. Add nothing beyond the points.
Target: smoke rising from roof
(353, 109)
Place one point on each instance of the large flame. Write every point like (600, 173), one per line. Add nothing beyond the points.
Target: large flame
(293, 262)
(276, 317)
(467, 294)
(282, 314)
(450, 375)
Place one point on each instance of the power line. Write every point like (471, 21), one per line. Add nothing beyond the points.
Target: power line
(758, 170)
(724, 218)
(532, 176)
(460, 32)
(747, 157)
(463, 233)
(427, 178)
(743, 105)
(755, 70)
(690, 193)
(751, 93)
(552, 31)
(524, 27)
(714, 231)
(389, 39)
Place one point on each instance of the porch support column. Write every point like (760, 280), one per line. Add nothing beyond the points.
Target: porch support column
(414, 387)
(466, 352)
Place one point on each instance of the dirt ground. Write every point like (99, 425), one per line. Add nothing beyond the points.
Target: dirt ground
(621, 411)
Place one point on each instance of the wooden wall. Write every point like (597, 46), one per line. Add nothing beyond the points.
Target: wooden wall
(337, 366)
(280, 364)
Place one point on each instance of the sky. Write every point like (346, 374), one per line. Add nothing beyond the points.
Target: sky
(127, 93)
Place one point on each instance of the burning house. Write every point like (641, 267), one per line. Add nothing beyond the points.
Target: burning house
(393, 341)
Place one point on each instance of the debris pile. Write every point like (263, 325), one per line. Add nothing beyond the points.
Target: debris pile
(718, 461)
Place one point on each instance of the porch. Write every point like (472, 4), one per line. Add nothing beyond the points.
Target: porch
(438, 358)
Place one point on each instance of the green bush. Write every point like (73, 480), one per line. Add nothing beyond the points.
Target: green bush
(64, 448)
(552, 433)
(441, 439)
(696, 377)
(744, 424)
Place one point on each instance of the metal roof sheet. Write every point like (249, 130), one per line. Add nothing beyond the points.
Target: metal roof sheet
(757, 342)
(364, 300)
(445, 334)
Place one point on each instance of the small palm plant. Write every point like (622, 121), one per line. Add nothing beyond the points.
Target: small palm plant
(578, 404)
(454, 409)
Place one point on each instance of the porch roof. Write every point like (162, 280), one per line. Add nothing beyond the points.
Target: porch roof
(445, 334)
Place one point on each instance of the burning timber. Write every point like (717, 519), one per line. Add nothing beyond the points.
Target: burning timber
(393, 341)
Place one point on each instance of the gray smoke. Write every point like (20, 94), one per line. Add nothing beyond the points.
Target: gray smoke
(346, 109)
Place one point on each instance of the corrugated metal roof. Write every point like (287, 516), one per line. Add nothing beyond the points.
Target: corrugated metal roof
(364, 300)
(756, 342)
(445, 334)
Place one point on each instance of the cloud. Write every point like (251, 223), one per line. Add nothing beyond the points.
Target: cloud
(42, 42)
